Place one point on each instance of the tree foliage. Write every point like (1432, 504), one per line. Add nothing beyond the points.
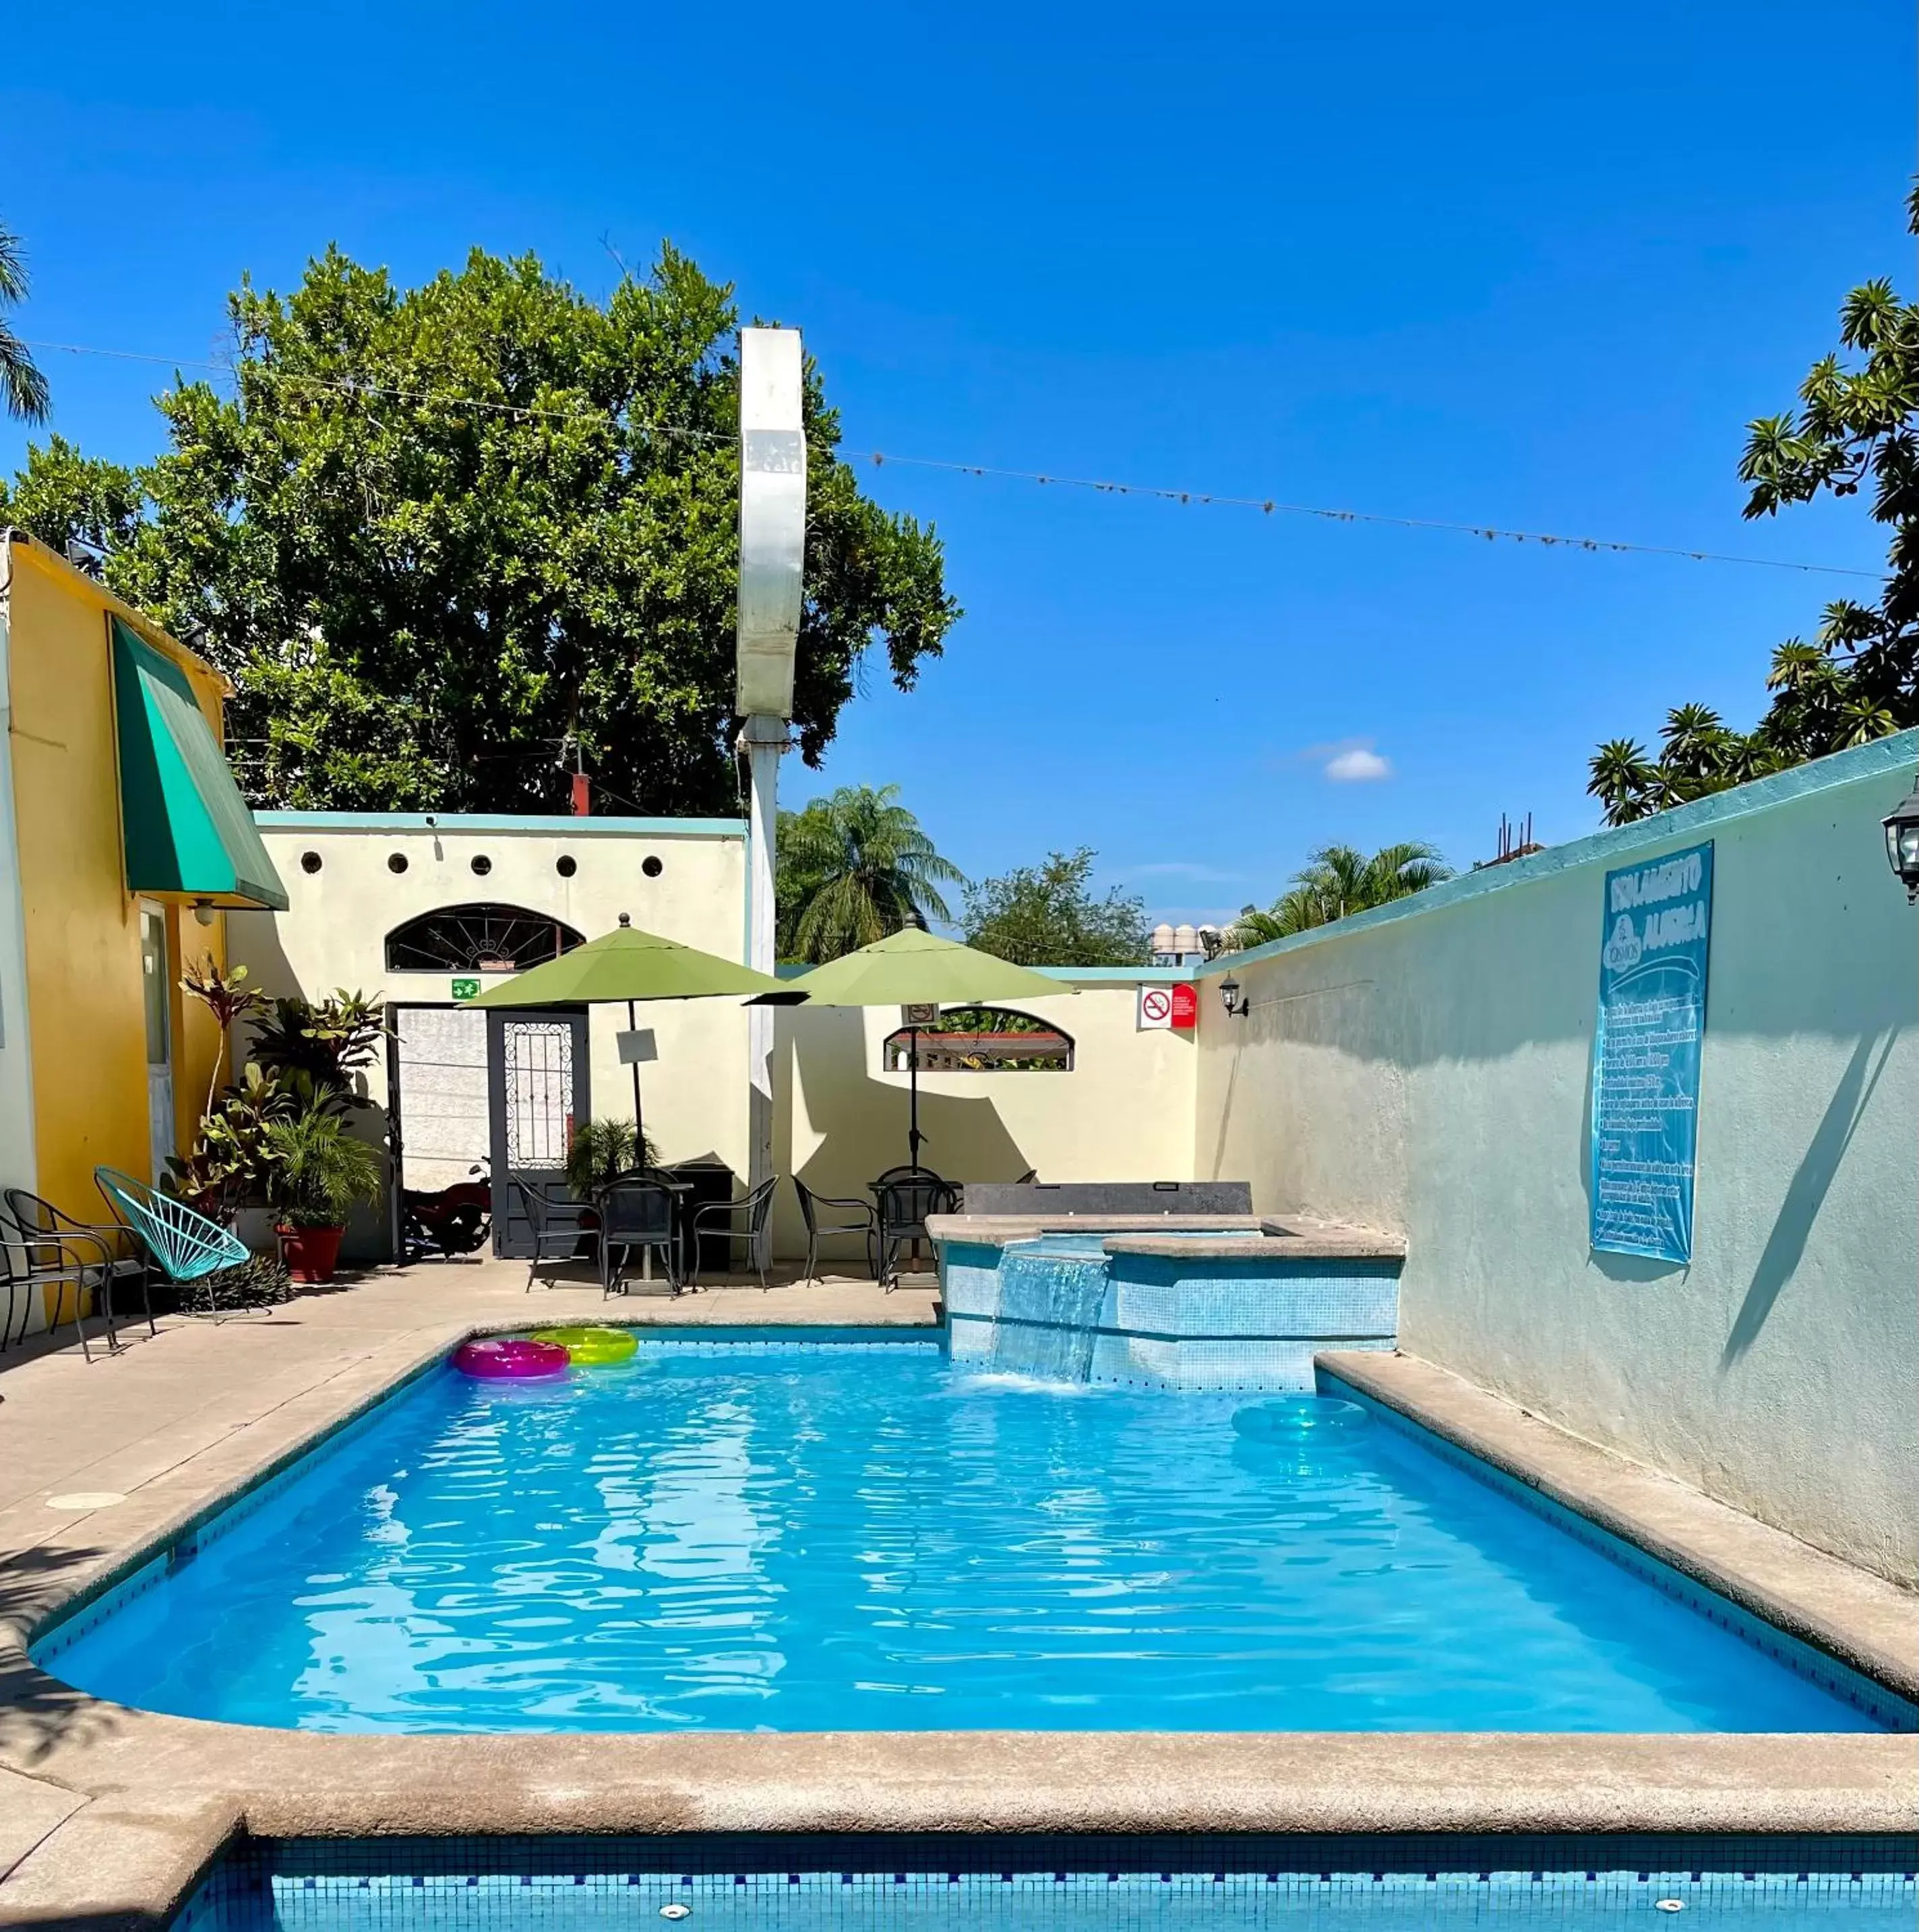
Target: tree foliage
(445, 540)
(1339, 880)
(1858, 423)
(852, 867)
(1047, 915)
(23, 385)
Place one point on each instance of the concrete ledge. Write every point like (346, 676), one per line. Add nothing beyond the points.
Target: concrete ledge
(1277, 1241)
(1862, 1620)
(1261, 1237)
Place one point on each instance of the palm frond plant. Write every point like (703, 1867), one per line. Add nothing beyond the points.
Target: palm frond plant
(853, 867)
(23, 385)
(319, 1172)
(1340, 879)
(601, 1149)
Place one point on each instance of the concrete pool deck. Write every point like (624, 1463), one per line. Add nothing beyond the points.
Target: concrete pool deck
(108, 1813)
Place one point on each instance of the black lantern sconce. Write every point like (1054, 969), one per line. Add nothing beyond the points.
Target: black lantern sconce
(1902, 825)
(1237, 1008)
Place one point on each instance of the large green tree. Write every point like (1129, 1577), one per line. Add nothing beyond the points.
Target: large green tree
(1047, 915)
(1857, 424)
(448, 541)
(1340, 879)
(22, 385)
(852, 867)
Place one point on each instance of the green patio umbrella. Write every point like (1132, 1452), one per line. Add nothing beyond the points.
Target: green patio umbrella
(628, 964)
(917, 968)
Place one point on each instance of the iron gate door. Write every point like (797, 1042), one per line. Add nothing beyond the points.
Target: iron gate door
(536, 1069)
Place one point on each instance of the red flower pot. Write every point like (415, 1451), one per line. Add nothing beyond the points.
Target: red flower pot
(311, 1254)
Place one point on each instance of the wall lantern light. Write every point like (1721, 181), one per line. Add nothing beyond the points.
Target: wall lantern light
(1902, 825)
(1229, 993)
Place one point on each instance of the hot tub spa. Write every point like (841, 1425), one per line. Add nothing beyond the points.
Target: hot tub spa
(1164, 1301)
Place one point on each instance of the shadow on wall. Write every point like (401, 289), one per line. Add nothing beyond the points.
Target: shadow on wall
(1807, 1192)
(254, 938)
(863, 1120)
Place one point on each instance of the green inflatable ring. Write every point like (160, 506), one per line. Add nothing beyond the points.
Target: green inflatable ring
(591, 1348)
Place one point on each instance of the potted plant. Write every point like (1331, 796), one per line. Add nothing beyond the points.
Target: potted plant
(319, 1171)
(601, 1149)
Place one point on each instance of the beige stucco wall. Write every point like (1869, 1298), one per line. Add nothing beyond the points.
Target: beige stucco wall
(335, 933)
(1124, 1111)
(1428, 1073)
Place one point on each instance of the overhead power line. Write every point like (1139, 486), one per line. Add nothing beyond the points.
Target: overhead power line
(1209, 499)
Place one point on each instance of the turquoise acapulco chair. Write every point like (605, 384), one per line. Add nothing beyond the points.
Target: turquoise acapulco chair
(185, 1245)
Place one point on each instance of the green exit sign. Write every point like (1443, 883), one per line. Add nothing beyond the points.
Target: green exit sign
(465, 989)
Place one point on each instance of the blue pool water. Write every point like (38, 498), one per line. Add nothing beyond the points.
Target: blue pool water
(805, 1537)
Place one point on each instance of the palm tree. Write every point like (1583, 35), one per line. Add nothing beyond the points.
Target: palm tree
(1623, 780)
(1697, 743)
(21, 381)
(1339, 880)
(853, 867)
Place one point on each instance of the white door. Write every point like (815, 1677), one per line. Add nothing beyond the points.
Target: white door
(157, 989)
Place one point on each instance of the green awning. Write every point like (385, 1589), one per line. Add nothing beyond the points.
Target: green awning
(189, 834)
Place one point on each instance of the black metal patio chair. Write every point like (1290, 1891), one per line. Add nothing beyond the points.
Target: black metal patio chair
(34, 1262)
(903, 1197)
(557, 1221)
(637, 1210)
(717, 1218)
(867, 1224)
(126, 1262)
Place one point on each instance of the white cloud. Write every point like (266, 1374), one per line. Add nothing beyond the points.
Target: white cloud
(1359, 764)
(1343, 760)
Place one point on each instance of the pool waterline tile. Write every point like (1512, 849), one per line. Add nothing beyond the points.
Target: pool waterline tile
(1148, 1883)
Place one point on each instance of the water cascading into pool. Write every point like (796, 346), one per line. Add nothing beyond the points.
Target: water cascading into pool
(1048, 1314)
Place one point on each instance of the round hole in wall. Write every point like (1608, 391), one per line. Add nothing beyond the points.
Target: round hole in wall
(310, 861)
(395, 862)
(651, 866)
(566, 864)
(482, 864)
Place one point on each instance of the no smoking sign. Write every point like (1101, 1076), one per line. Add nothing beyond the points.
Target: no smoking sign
(1161, 1008)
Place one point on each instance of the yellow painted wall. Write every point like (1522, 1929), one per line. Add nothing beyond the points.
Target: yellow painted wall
(84, 1015)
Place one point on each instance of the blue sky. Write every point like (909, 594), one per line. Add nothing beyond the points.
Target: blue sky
(1530, 265)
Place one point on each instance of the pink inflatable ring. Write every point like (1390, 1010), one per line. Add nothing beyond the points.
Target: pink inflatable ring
(510, 1358)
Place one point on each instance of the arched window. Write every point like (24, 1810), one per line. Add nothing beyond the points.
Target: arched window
(983, 1040)
(478, 939)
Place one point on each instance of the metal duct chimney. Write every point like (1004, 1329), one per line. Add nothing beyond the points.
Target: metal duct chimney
(772, 543)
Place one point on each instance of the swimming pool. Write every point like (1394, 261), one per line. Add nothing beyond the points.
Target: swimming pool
(762, 1533)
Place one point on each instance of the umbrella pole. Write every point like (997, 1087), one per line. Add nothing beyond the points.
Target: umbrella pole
(914, 1135)
(639, 1137)
(639, 1123)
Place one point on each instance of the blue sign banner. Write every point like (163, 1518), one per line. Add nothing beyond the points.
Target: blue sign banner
(1652, 1023)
